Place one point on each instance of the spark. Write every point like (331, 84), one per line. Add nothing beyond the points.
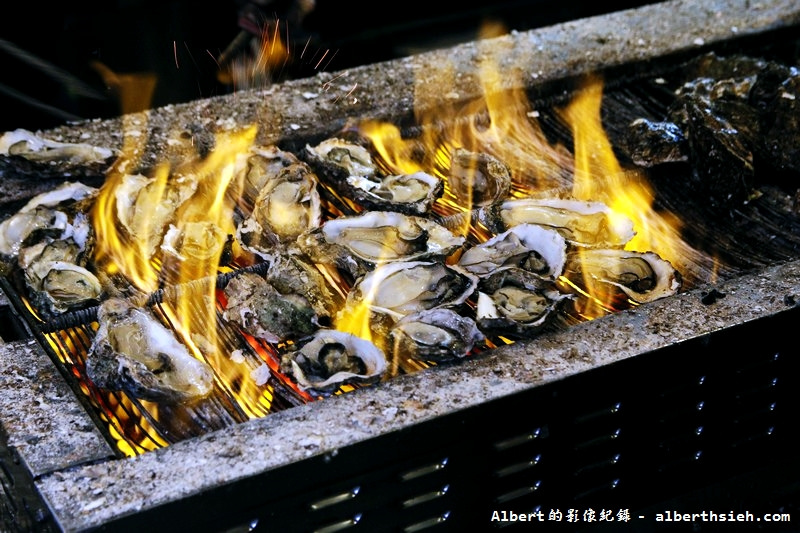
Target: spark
(175, 54)
(214, 59)
(327, 85)
(305, 48)
(320, 59)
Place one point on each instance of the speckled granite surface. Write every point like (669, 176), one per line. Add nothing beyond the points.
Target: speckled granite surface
(84, 487)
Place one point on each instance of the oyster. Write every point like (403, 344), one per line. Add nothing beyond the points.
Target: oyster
(32, 147)
(264, 312)
(438, 335)
(349, 169)
(588, 224)
(641, 276)
(516, 303)
(56, 282)
(198, 243)
(147, 206)
(287, 205)
(133, 352)
(331, 358)
(356, 244)
(54, 214)
(404, 287)
(291, 273)
(528, 246)
(478, 179)
(352, 158)
(262, 164)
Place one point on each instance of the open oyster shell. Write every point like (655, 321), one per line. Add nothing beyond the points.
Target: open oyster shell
(589, 224)
(133, 352)
(437, 335)
(261, 165)
(477, 178)
(25, 153)
(287, 205)
(351, 172)
(641, 276)
(356, 244)
(517, 303)
(528, 246)
(405, 287)
(331, 358)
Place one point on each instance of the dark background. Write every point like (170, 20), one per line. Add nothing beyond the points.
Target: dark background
(179, 43)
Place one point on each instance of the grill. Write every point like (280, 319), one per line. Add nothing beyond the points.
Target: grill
(653, 408)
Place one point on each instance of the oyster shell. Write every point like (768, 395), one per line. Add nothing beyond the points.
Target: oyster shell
(264, 312)
(287, 205)
(434, 335)
(133, 352)
(24, 143)
(528, 246)
(54, 214)
(641, 276)
(262, 164)
(516, 303)
(356, 244)
(589, 224)
(146, 206)
(292, 273)
(478, 179)
(349, 169)
(331, 358)
(404, 287)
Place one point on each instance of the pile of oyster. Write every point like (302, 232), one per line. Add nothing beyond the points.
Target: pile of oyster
(339, 241)
(734, 119)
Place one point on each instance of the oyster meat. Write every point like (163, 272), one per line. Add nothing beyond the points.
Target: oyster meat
(356, 244)
(528, 246)
(478, 179)
(640, 276)
(349, 157)
(331, 358)
(262, 164)
(588, 224)
(135, 353)
(517, 303)
(437, 335)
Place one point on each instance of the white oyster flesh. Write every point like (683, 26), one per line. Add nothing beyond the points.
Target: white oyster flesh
(135, 353)
(434, 335)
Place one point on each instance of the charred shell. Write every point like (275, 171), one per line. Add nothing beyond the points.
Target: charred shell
(478, 179)
(404, 287)
(356, 244)
(329, 358)
(586, 224)
(516, 303)
(537, 249)
(640, 276)
(135, 353)
(264, 312)
(437, 335)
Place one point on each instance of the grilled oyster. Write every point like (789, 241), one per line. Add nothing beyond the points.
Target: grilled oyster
(478, 179)
(287, 205)
(25, 155)
(146, 206)
(291, 273)
(331, 358)
(434, 335)
(133, 352)
(641, 276)
(349, 169)
(262, 164)
(528, 246)
(55, 214)
(516, 303)
(356, 244)
(264, 312)
(589, 224)
(56, 282)
(404, 287)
